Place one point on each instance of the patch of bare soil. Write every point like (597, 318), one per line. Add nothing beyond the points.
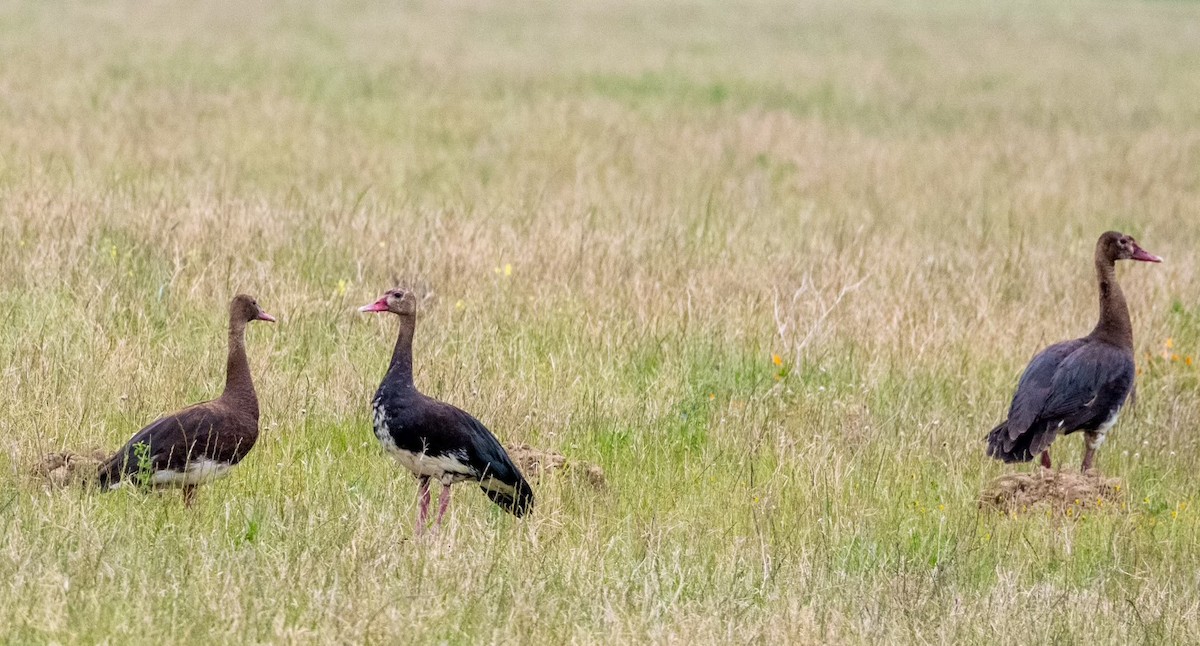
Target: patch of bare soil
(67, 467)
(534, 463)
(1058, 491)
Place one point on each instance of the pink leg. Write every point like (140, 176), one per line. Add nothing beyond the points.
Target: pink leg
(443, 504)
(422, 504)
(1089, 451)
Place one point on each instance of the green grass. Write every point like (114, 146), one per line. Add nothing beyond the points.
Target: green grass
(898, 199)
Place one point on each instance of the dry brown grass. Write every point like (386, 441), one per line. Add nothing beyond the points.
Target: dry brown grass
(536, 463)
(1063, 492)
(67, 468)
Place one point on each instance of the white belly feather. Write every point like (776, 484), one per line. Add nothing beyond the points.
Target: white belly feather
(196, 472)
(447, 468)
(1098, 436)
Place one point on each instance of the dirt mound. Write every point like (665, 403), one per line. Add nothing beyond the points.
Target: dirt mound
(67, 467)
(534, 463)
(1056, 490)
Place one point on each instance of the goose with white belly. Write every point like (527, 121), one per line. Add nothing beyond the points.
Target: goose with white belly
(432, 439)
(204, 441)
(1078, 385)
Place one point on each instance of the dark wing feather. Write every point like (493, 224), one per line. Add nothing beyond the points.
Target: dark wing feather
(1089, 384)
(1068, 386)
(499, 478)
(175, 440)
(1036, 386)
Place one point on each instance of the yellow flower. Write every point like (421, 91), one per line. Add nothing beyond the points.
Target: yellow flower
(341, 288)
(1188, 360)
(712, 396)
(459, 305)
(1174, 357)
(776, 359)
(1170, 343)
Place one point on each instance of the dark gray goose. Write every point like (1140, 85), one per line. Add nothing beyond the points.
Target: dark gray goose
(1077, 385)
(433, 439)
(201, 442)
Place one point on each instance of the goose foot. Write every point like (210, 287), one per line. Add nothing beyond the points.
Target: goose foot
(422, 504)
(443, 504)
(1089, 453)
(1089, 458)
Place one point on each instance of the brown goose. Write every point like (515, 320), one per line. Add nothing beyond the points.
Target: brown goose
(1077, 385)
(433, 439)
(201, 442)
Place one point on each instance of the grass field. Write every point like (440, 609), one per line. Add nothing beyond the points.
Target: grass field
(623, 214)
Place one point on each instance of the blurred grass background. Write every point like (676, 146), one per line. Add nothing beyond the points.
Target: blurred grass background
(776, 267)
